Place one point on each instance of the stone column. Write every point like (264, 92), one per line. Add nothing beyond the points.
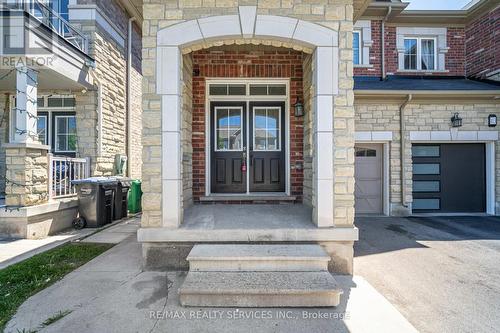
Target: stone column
(25, 158)
(325, 64)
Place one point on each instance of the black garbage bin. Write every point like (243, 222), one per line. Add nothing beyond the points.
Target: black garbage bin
(121, 197)
(96, 198)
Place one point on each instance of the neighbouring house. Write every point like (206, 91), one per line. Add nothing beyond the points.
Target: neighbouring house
(324, 109)
(70, 106)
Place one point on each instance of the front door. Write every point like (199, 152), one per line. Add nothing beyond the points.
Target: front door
(228, 145)
(263, 169)
(267, 147)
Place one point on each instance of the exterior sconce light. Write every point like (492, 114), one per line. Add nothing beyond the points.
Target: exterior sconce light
(456, 121)
(299, 108)
(492, 120)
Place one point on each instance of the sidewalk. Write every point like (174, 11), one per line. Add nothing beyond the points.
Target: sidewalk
(112, 294)
(15, 250)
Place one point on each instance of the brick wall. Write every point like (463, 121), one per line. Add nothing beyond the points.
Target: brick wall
(234, 62)
(454, 59)
(483, 46)
(375, 53)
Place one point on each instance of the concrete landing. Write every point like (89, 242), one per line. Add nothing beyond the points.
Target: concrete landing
(284, 258)
(260, 289)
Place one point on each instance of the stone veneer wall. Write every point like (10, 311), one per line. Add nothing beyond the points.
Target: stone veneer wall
(187, 130)
(247, 61)
(308, 146)
(28, 175)
(336, 15)
(378, 116)
(4, 138)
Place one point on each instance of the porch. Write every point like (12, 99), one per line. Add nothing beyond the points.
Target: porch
(249, 223)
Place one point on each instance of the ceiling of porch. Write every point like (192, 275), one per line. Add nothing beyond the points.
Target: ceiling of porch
(47, 80)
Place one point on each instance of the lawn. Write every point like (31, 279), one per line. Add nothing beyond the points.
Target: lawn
(24, 279)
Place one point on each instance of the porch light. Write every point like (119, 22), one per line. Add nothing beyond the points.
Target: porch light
(456, 121)
(299, 108)
(492, 120)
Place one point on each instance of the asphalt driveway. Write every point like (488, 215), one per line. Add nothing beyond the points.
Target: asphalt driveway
(442, 274)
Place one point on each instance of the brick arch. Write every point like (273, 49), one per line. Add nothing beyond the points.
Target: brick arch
(246, 27)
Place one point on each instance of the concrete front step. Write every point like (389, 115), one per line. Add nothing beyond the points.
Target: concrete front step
(260, 289)
(255, 258)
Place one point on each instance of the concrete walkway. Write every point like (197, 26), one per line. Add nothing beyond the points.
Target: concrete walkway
(112, 294)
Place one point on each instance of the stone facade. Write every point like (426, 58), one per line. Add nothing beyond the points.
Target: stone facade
(27, 175)
(337, 16)
(419, 116)
(4, 137)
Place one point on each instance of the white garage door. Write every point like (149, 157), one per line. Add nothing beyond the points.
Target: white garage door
(368, 173)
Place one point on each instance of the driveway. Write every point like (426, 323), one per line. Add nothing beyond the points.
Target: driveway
(442, 274)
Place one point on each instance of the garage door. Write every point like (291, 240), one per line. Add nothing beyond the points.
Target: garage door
(449, 178)
(368, 173)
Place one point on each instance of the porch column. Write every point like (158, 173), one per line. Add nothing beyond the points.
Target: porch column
(25, 112)
(325, 69)
(26, 159)
(169, 69)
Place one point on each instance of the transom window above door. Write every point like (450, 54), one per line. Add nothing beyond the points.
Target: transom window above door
(267, 133)
(228, 129)
(247, 89)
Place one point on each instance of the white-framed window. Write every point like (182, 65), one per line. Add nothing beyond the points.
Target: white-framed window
(228, 128)
(42, 129)
(420, 53)
(267, 128)
(356, 47)
(65, 134)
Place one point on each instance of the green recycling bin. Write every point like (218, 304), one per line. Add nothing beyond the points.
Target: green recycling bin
(134, 197)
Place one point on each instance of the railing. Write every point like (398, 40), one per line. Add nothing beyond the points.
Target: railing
(51, 19)
(62, 170)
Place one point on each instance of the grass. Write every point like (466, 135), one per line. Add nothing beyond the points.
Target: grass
(24, 279)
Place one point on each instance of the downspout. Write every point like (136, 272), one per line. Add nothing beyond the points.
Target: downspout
(129, 94)
(389, 11)
(402, 108)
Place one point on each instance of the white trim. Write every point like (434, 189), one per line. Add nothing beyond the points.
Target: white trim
(373, 136)
(454, 136)
(387, 178)
(246, 98)
(217, 108)
(490, 178)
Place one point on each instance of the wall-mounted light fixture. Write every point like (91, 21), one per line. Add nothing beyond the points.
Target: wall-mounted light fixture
(492, 120)
(456, 121)
(299, 108)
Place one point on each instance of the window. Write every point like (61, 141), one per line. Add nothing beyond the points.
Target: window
(42, 129)
(426, 186)
(365, 152)
(426, 169)
(227, 89)
(426, 204)
(267, 123)
(228, 128)
(268, 89)
(65, 134)
(425, 151)
(356, 47)
(420, 54)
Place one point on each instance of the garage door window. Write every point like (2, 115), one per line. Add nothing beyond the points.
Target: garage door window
(426, 169)
(365, 152)
(426, 186)
(427, 204)
(425, 151)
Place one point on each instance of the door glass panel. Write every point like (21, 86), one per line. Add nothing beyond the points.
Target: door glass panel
(267, 125)
(228, 128)
(426, 169)
(41, 127)
(425, 186)
(426, 204)
(425, 151)
(365, 152)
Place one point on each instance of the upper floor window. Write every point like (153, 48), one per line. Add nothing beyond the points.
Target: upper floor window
(356, 47)
(61, 7)
(420, 54)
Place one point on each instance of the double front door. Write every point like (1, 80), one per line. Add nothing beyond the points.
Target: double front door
(247, 145)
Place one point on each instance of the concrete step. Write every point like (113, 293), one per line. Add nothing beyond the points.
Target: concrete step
(257, 258)
(260, 289)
